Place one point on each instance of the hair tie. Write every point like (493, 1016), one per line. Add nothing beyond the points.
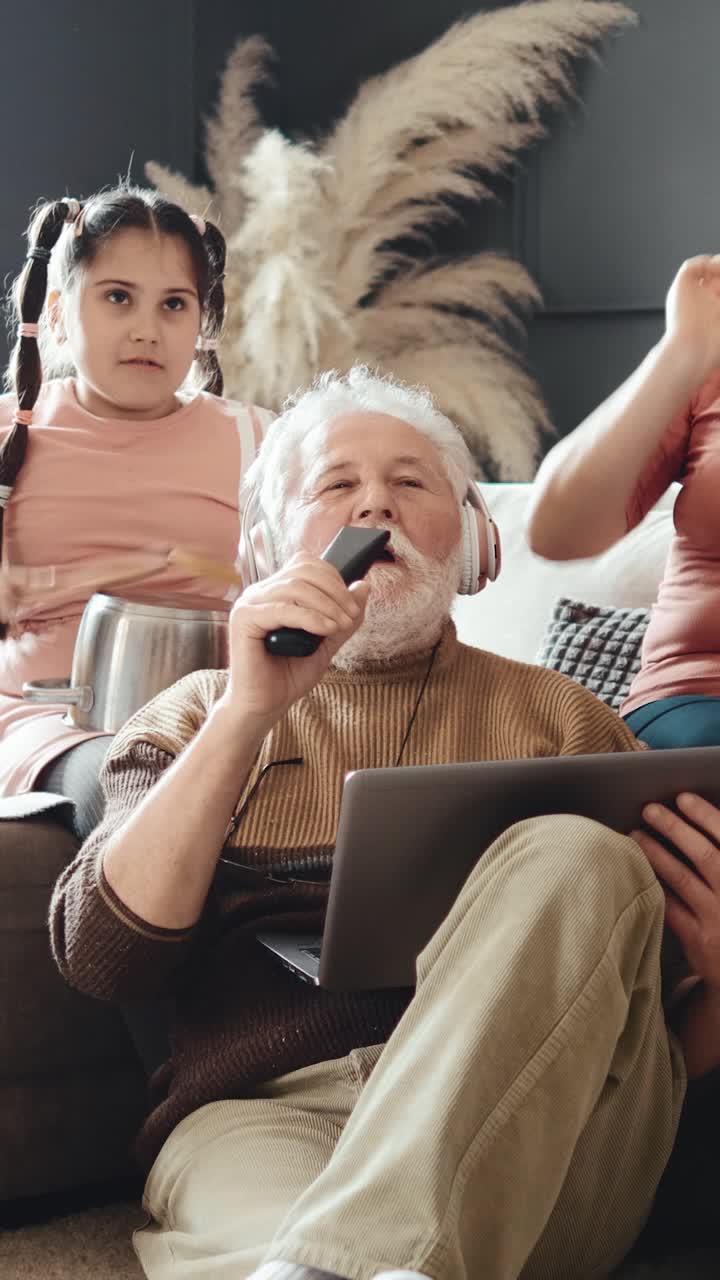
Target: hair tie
(26, 330)
(72, 207)
(38, 254)
(207, 344)
(198, 222)
(23, 417)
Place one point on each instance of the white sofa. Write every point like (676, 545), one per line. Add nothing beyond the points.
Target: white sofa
(511, 614)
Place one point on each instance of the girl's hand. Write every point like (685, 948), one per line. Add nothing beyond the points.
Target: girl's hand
(307, 593)
(692, 314)
(692, 893)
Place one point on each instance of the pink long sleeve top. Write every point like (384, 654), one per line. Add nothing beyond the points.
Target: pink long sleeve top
(681, 651)
(93, 487)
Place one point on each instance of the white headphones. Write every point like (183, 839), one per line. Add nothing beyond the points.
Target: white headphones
(481, 557)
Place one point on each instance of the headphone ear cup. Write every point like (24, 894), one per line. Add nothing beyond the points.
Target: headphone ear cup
(245, 559)
(256, 549)
(481, 545)
(263, 547)
(470, 569)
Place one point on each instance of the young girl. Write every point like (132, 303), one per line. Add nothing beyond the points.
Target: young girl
(662, 425)
(124, 456)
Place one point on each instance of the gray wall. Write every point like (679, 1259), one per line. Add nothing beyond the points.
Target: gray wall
(602, 213)
(620, 196)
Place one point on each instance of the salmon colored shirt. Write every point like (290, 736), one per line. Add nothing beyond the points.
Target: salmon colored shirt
(93, 487)
(681, 651)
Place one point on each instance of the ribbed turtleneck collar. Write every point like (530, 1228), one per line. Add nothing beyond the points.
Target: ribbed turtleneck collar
(405, 667)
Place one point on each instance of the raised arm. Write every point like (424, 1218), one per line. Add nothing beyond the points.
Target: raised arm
(587, 482)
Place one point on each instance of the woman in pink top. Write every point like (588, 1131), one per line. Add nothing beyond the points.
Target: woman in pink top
(125, 456)
(660, 426)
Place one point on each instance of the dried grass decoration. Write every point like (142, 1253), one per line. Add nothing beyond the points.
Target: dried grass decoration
(315, 276)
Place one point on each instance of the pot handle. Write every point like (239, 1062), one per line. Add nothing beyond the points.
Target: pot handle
(46, 692)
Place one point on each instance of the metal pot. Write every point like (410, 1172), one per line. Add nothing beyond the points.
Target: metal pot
(126, 651)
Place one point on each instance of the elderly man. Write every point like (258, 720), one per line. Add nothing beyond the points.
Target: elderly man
(513, 1114)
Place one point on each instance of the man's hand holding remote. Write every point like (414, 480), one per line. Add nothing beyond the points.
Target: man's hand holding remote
(309, 595)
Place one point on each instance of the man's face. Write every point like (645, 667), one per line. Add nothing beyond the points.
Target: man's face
(373, 469)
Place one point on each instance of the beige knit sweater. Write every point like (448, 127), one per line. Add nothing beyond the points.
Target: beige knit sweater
(240, 1017)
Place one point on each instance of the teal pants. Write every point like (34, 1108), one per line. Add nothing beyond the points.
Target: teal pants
(685, 721)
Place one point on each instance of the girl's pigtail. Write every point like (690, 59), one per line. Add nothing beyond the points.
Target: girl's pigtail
(25, 370)
(214, 243)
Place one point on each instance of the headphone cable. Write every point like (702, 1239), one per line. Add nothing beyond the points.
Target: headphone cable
(418, 701)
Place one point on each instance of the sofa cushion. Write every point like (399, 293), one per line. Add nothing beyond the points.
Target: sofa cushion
(72, 1092)
(597, 645)
(509, 617)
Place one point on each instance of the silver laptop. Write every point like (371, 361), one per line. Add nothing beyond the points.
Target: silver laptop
(408, 838)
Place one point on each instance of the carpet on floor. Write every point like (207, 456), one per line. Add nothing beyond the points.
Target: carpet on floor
(95, 1244)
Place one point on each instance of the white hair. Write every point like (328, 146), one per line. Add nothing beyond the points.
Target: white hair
(332, 395)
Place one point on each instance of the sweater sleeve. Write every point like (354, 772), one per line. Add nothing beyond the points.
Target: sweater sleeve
(590, 726)
(99, 944)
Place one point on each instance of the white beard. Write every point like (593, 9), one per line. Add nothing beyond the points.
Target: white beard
(407, 609)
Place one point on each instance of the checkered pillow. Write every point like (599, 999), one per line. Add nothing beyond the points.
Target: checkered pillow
(597, 645)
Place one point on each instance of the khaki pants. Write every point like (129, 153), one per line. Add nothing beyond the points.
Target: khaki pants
(516, 1123)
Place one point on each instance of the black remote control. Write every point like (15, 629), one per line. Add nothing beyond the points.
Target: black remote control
(351, 551)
